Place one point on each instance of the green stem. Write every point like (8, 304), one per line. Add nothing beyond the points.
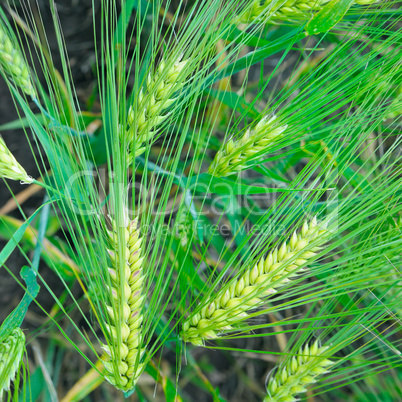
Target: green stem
(49, 188)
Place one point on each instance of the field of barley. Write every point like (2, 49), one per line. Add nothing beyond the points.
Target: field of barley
(200, 200)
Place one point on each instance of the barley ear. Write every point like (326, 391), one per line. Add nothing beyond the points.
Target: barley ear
(300, 371)
(9, 167)
(11, 352)
(124, 352)
(159, 95)
(290, 11)
(276, 12)
(247, 291)
(233, 156)
(13, 64)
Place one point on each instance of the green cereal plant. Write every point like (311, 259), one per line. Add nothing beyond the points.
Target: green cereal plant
(13, 63)
(247, 291)
(278, 11)
(11, 352)
(233, 156)
(124, 333)
(168, 228)
(288, 11)
(9, 167)
(301, 370)
(152, 102)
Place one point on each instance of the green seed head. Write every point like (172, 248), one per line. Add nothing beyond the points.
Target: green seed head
(9, 167)
(288, 11)
(230, 304)
(159, 94)
(123, 352)
(233, 156)
(13, 64)
(11, 352)
(301, 370)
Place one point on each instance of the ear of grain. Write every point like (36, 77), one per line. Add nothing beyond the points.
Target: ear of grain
(13, 63)
(300, 371)
(234, 155)
(277, 11)
(11, 352)
(291, 11)
(124, 350)
(229, 306)
(9, 167)
(158, 96)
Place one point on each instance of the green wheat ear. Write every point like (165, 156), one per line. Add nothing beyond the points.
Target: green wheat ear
(11, 352)
(234, 155)
(13, 63)
(9, 167)
(158, 96)
(299, 372)
(229, 306)
(124, 334)
(291, 11)
(277, 11)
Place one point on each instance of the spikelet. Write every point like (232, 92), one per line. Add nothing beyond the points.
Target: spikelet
(152, 103)
(291, 11)
(13, 63)
(232, 157)
(230, 304)
(123, 351)
(299, 372)
(11, 352)
(9, 167)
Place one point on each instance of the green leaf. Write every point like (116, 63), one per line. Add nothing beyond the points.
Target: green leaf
(57, 156)
(36, 385)
(169, 388)
(206, 183)
(17, 315)
(188, 273)
(22, 122)
(233, 212)
(245, 38)
(285, 42)
(142, 6)
(328, 17)
(195, 215)
(54, 256)
(12, 244)
(235, 102)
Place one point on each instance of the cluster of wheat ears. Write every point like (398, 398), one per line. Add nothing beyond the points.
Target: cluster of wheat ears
(126, 273)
